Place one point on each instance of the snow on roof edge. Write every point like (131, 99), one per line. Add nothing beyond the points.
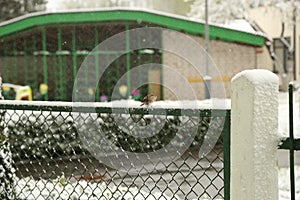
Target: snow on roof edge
(259, 33)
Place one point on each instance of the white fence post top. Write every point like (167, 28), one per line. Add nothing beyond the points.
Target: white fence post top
(254, 136)
(257, 76)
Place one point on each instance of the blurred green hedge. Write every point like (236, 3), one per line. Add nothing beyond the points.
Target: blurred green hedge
(40, 135)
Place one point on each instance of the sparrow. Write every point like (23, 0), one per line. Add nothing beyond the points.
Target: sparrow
(150, 98)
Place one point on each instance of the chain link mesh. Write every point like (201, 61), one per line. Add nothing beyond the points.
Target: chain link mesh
(50, 161)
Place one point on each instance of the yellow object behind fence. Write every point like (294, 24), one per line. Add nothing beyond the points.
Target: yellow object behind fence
(43, 88)
(22, 92)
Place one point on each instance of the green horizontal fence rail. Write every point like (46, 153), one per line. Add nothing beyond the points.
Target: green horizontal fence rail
(286, 144)
(52, 162)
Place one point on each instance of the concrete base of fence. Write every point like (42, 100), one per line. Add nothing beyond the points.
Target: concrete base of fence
(254, 139)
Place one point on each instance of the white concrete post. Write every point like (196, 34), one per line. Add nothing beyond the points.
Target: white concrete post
(254, 138)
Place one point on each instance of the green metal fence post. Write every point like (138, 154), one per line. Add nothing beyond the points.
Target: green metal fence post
(96, 43)
(139, 57)
(226, 146)
(15, 61)
(74, 58)
(35, 67)
(162, 69)
(45, 66)
(26, 61)
(74, 53)
(60, 63)
(128, 59)
(291, 121)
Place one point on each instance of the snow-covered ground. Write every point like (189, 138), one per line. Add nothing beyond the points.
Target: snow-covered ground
(284, 183)
(61, 188)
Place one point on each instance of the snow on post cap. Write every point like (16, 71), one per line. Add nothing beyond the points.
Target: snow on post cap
(258, 76)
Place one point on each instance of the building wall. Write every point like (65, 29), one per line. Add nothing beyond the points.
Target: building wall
(229, 59)
(270, 21)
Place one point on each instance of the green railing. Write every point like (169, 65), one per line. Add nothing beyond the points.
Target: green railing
(291, 143)
(55, 53)
(49, 48)
(51, 152)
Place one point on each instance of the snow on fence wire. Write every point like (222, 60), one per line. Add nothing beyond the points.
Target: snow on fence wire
(50, 161)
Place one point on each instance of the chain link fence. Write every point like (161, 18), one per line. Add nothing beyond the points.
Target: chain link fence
(55, 153)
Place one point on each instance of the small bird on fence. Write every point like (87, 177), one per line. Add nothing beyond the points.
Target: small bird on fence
(150, 98)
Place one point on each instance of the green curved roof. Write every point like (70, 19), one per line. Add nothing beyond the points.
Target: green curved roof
(170, 21)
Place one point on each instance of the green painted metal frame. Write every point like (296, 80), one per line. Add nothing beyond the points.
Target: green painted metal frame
(60, 59)
(171, 22)
(292, 147)
(128, 77)
(74, 58)
(45, 66)
(35, 67)
(40, 22)
(286, 143)
(291, 143)
(226, 149)
(96, 40)
(75, 107)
